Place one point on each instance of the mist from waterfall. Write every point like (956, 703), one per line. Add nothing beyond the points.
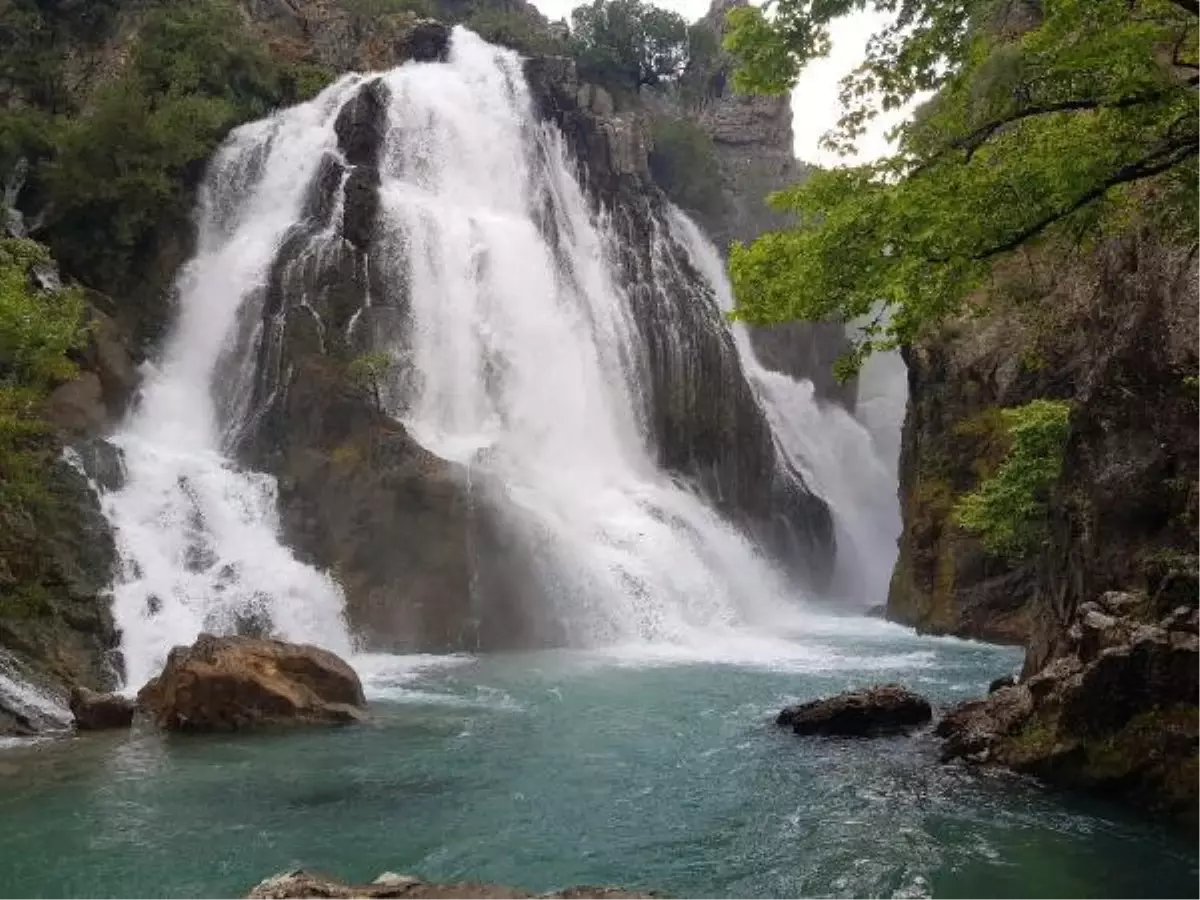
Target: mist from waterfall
(524, 366)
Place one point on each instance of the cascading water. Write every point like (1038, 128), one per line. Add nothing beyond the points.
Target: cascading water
(851, 463)
(197, 536)
(524, 363)
(525, 350)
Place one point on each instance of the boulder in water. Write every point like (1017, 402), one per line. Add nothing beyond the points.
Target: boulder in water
(309, 884)
(94, 711)
(1003, 681)
(867, 712)
(234, 683)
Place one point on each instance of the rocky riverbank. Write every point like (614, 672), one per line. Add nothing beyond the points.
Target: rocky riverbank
(300, 883)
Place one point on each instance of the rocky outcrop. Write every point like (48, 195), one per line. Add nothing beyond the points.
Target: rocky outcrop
(868, 712)
(301, 883)
(1114, 711)
(1113, 334)
(236, 683)
(98, 712)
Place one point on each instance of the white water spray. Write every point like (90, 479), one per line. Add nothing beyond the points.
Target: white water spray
(198, 537)
(524, 356)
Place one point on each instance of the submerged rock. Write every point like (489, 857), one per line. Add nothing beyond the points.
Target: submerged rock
(1002, 682)
(234, 683)
(96, 712)
(309, 884)
(882, 709)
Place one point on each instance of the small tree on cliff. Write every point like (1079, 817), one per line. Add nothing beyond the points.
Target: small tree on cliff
(1051, 120)
(627, 43)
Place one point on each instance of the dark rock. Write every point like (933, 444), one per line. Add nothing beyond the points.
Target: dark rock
(970, 729)
(102, 462)
(309, 884)
(426, 41)
(362, 123)
(878, 611)
(1002, 682)
(96, 712)
(236, 683)
(883, 709)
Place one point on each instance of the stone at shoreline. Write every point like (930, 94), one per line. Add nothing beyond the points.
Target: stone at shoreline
(310, 884)
(235, 683)
(1117, 711)
(96, 712)
(1002, 682)
(867, 712)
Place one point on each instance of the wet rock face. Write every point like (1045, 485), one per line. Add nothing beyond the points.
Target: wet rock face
(98, 712)
(236, 683)
(869, 712)
(1116, 711)
(308, 884)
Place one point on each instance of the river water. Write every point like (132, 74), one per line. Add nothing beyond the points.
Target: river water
(647, 768)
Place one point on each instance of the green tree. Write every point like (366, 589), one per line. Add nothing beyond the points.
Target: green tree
(683, 162)
(628, 43)
(1008, 510)
(1050, 122)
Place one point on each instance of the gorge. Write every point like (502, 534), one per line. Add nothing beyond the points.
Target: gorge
(450, 390)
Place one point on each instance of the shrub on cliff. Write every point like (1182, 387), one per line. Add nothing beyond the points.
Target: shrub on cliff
(38, 330)
(1061, 122)
(1008, 510)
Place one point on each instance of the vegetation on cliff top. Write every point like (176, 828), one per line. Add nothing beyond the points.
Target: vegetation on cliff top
(1049, 122)
(110, 170)
(627, 43)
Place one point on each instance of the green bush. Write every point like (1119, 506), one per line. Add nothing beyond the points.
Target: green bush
(38, 330)
(683, 162)
(1008, 510)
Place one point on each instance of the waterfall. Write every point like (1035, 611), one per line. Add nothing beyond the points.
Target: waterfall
(850, 463)
(196, 535)
(525, 349)
(522, 360)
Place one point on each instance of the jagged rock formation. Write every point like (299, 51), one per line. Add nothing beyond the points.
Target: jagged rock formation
(237, 683)
(1114, 711)
(754, 147)
(309, 884)
(1108, 692)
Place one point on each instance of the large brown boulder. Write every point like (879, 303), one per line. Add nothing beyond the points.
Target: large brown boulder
(95, 712)
(882, 709)
(233, 683)
(309, 884)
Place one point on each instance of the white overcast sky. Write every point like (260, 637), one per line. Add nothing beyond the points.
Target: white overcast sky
(815, 101)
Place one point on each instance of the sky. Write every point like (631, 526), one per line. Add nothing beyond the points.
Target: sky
(815, 99)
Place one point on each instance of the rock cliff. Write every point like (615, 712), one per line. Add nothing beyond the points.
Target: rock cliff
(1111, 332)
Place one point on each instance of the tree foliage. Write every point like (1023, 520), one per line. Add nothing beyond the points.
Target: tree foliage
(628, 43)
(1050, 121)
(1008, 510)
(110, 172)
